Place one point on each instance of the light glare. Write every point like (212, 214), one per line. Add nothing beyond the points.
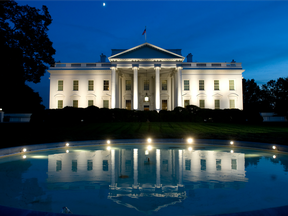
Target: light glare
(231, 142)
(104, 4)
(149, 140)
(108, 148)
(149, 147)
(24, 156)
(146, 152)
(274, 147)
(108, 142)
(190, 149)
(67, 151)
(190, 140)
(24, 150)
(274, 156)
(232, 151)
(67, 144)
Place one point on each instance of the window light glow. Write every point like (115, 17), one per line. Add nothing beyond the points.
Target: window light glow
(67, 144)
(274, 147)
(190, 149)
(190, 140)
(108, 142)
(108, 148)
(24, 150)
(149, 140)
(231, 143)
(24, 156)
(149, 147)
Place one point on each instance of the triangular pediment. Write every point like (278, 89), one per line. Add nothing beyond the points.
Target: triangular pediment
(146, 51)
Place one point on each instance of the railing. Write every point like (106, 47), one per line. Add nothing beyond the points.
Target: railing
(184, 65)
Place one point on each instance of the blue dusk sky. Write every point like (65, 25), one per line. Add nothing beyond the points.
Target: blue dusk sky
(252, 32)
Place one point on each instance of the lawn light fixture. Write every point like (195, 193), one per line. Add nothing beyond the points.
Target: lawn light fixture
(190, 149)
(108, 148)
(67, 144)
(274, 156)
(108, 142)
(149, 147)
(189, 140)
(24, 150)
(149, 140)
(231, 151)
(231, 143)
(274, 147)
(67, 151)
(24, 156)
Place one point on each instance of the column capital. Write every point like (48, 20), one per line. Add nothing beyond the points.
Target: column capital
(113, 68)
(179, 67)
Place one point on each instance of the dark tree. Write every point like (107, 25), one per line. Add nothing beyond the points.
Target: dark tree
(26, 53)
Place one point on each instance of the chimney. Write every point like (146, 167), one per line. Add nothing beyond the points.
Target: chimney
(233, 61)
(189, 57)
(102, 58)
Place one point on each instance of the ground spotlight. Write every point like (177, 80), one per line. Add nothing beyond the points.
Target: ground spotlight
(67, 151)
(231, 143)
(149, 140)
(24, 150)
(149, 147)
(190, 140)
(67, 144)
(108, 148)
(108, 142)
(190, 149)
(274, 156)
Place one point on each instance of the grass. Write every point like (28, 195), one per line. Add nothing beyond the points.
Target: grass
(16, 134)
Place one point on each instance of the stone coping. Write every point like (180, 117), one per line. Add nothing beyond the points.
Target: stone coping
(7, 211)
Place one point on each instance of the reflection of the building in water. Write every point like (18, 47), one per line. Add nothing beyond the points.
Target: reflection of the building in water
(146, 174)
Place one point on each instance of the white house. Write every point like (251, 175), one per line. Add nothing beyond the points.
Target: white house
(146, 77)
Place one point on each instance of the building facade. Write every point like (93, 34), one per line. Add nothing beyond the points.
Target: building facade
(146, 77)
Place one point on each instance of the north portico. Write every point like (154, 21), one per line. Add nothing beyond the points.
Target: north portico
(146, 77)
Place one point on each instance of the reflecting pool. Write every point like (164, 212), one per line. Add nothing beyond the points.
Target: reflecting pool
(130, 180)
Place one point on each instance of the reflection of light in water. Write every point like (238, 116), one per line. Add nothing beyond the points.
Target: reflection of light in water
(108, 148)
(232, 151)
(149, 148)
(24, 156)
(190, 140)
(67, 151)
(274, 156)
(146, 152)
(149, 140)
(231, 142)
(39, 156)
(67, 144)
(190, 149)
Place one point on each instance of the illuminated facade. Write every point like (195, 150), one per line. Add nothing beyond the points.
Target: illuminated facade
(146, 77)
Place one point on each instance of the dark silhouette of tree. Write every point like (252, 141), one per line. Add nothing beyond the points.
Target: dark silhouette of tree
(27, 53)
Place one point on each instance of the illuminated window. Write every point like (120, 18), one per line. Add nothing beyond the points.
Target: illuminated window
(218, 164)
(201, 84)
(105, 165)
(202, 104)
(232, 104)
(60, 104)
(146, 85)
(90, 102)
(217, 104)
(164, 104)
(90, 85)
(75, 85)
(74, 165)
(216, 84)
(164, 85)
(128, 104)
(105, 103)
(186, 103)
(186, 85)
(231, 85)
(58, 165)
(60, 85)
(234, 164)
(89, 165)
(128, 85)
(187, 164)
(75, 103)
(106, 85)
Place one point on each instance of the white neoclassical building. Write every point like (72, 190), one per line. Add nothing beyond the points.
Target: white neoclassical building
(147, 77)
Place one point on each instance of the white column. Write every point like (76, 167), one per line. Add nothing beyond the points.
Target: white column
(158, 185)
(135, 88)
(179, 93)
(135, 168)
(113, 87)
(172, 92)
(157, 88)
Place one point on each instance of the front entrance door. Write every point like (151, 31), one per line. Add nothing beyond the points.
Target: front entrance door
(146, 107)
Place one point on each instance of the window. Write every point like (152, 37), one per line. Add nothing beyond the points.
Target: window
(128, 85)
(234, 164)
(186, 103)
(164, 85)
(105, 165)
(202, 104)
(203, 164)
(74, 165)
(201, 84)
(75, 85)
(146, 85)
(60, 85)
(217, 104)
(89, 165)
(105, 103)
(232, 104)
(106, 85)
(216, 85)
(58, 165)
(218, 164)
(231, 85)
(128, 104)
(187, 164)
(60, 104)
(164, 104)
(90, 85)
(90, 103)
(75, 103)
(186, 85)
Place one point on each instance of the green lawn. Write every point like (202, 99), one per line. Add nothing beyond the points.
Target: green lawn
(16, 134)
